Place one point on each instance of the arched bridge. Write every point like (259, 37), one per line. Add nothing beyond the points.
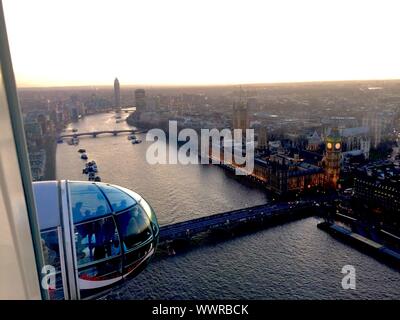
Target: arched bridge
(225, 220)
(96, 133)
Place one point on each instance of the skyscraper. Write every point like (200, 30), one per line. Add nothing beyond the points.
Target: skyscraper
(140, 100)
(374, 122)
(262, 138)
(117, 94)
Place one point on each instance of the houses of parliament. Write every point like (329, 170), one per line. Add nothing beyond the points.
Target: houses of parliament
(284, 171)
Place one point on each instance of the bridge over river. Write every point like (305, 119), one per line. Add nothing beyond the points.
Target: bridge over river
(94, 134)
(235, 218)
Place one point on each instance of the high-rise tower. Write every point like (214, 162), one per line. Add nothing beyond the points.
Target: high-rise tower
(262, 138)
(140, 100)
(240, 116)
(374, 122)
(332, 157)
(117, 94)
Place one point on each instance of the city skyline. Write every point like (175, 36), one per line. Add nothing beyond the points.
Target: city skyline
(186, 151)
(207, 44)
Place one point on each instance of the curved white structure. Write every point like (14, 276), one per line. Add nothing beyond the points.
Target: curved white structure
(94, 235)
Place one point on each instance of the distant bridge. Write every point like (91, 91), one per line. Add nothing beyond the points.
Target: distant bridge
(94, 134)
(226, 220)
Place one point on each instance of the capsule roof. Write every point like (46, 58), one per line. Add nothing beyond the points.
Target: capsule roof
(87, 200)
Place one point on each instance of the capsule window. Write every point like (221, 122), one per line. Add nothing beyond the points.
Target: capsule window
(87, 201)
(150, 213)
(96, 240)
(118, 199)
(51, 254)
(134, 257)
(134, 226)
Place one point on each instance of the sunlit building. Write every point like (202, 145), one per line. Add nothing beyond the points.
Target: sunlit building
(283, 175)
(288, 175)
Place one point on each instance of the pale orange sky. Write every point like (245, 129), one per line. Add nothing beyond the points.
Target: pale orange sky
(90, 42)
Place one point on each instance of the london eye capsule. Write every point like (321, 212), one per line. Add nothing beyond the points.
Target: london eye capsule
(94, 235)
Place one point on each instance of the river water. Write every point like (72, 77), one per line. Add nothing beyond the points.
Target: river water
(291, 261)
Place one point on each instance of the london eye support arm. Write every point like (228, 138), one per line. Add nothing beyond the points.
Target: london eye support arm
(21, 257)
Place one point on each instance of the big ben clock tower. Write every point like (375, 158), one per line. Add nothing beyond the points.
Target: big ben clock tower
(332, 157)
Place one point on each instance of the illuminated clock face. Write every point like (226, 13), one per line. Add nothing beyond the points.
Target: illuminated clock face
(329, 145)
(337, 146)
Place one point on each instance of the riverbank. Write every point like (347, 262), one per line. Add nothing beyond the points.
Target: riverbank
(366, 245)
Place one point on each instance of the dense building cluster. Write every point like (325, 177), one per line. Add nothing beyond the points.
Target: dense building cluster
(378, 187)
(309, 137)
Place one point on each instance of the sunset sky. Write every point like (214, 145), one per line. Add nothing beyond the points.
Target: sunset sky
(90, 42)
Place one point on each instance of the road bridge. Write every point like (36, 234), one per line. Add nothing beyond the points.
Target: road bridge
(226, 220)
(96, 133)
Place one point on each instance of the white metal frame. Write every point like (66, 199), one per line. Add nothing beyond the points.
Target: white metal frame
(21, 257)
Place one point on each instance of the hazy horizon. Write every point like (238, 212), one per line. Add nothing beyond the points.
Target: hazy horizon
(186, 85)
(182, 43)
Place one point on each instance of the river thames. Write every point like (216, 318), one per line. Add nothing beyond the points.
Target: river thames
(291, 261)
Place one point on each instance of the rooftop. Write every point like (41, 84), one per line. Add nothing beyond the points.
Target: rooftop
(384, 172)
(349, 132)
